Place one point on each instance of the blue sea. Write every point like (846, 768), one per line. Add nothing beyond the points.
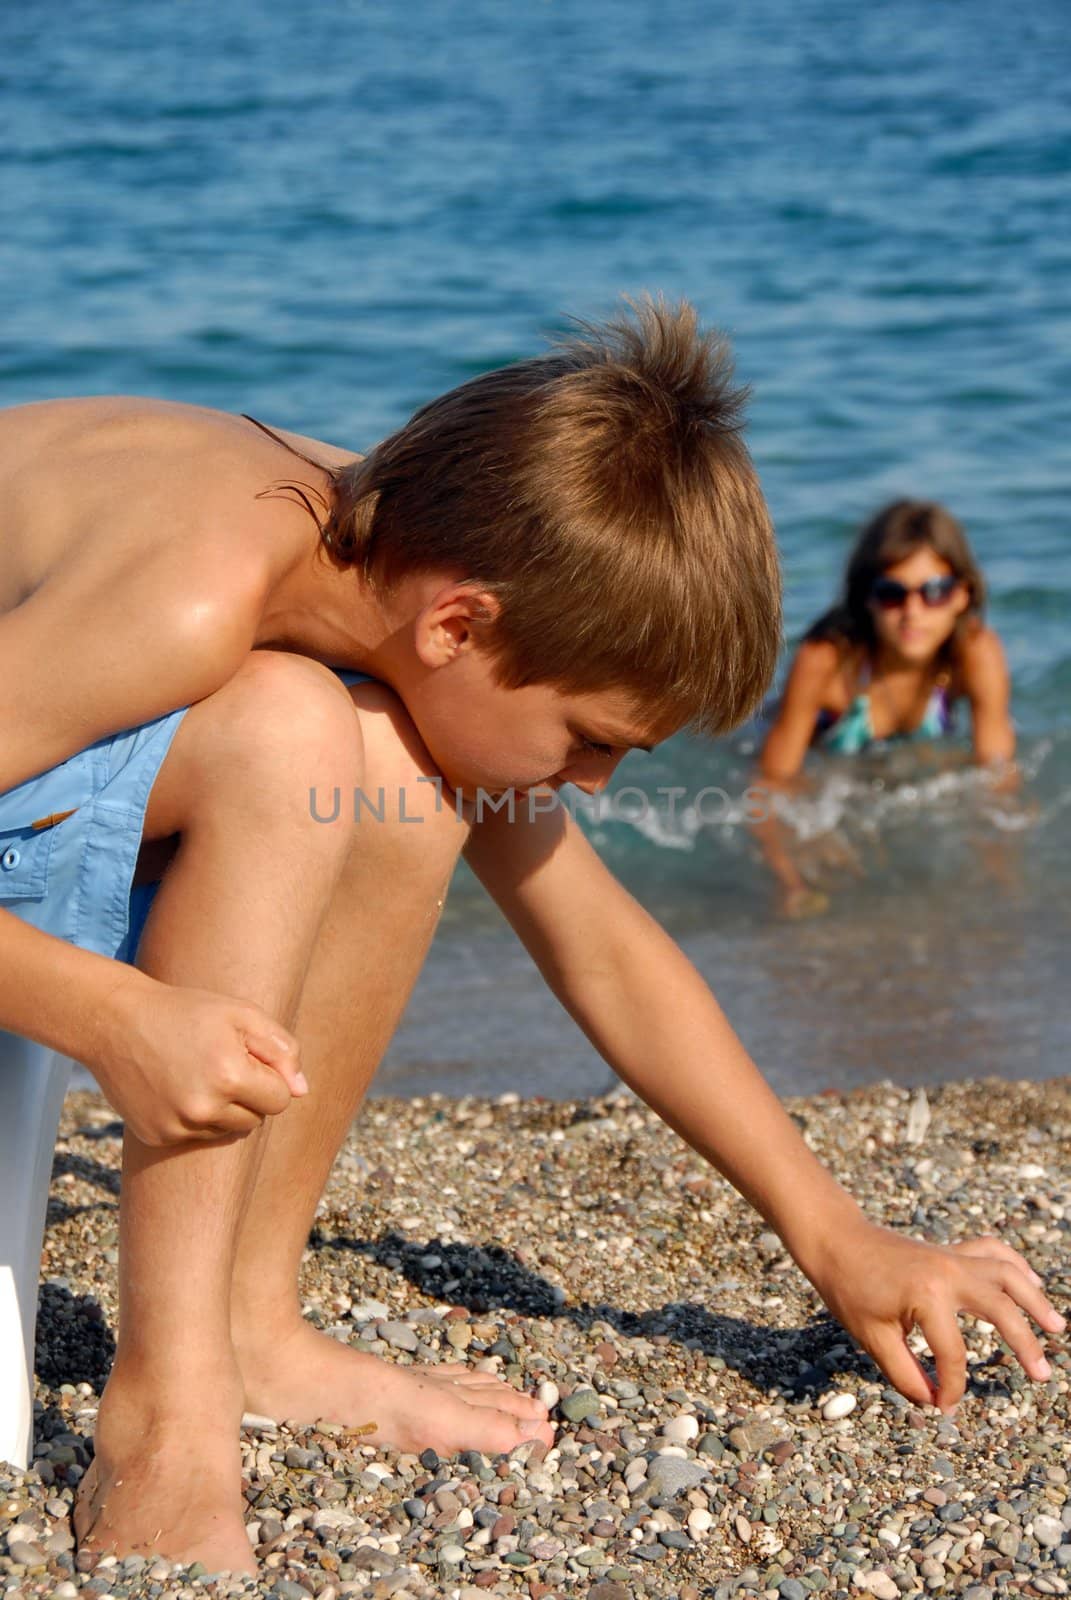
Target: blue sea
(327, 214)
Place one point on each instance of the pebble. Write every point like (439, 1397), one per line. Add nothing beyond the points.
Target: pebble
(1048, 1531)
(399, 1335)
(580, 1405)
(369, 1311)
(877, 1583)
(839, 1405)
(749, 1438)
(682, 1429)
(670, 1475)
(27, 1555)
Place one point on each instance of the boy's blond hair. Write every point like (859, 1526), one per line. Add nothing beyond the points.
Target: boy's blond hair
(603, 494)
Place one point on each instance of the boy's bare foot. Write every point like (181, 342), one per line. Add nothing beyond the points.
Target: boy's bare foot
(166, 1480)
(308, 1377)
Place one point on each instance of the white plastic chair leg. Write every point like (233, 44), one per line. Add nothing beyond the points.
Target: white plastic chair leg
(33, 1082)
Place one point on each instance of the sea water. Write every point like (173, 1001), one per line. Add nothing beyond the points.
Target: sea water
(327, 214)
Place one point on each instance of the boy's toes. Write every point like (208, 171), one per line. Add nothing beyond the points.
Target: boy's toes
(483, 1388)
(524, 1406)
(503, 1433)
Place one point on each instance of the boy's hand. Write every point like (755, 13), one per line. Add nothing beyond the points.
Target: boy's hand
(880, 1285)
(186, 1064)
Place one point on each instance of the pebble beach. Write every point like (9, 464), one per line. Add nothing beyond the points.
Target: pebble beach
(718, 1434)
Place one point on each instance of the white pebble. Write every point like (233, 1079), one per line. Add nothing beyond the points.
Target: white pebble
(255, 1423)
(839, 1405)
(369, 1311)
(700, 1522)
(548, 1394)
(1032, 1170)
(877, 1583)
(1048, 1531)
(743, 1529)
(452, 1553)
(681, 1429)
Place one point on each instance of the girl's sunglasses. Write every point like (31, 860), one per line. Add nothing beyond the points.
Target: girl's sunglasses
(889, 594)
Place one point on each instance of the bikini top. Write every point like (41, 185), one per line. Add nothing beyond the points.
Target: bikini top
(852, 730)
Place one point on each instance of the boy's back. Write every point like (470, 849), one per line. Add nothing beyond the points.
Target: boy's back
(131, 526)
(97, 481)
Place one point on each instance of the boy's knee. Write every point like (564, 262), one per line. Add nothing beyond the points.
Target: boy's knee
(288, 714)
(281, 731)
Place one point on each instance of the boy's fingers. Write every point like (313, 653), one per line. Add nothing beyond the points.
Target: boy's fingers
(997, 1250)
(280, 1052)
(1023, 1291)
(263, 1090)
(942, 1334)
(1020, 1338)
(903, 1369)
(235, 1122)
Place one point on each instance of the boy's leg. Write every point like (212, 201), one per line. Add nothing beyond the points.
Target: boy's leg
(234, 785)
(373, 941)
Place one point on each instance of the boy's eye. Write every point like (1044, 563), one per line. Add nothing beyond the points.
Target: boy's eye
(592, 749)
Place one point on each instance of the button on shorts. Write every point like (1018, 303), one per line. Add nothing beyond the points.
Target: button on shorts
(70, 837)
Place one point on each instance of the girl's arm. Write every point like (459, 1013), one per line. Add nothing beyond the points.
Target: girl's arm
(789, 738)
(782, 757)
(987, 686)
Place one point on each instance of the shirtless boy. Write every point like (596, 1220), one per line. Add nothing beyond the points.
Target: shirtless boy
(545, 568)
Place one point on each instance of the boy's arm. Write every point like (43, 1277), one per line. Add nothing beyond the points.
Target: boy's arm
(108, 643)
(653, 1018)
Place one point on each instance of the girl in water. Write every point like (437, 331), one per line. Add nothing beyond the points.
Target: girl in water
(890, 663)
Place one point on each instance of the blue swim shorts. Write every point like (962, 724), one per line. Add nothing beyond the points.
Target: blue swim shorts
(69, 839)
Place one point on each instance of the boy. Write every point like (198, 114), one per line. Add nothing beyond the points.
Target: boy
(544, 568)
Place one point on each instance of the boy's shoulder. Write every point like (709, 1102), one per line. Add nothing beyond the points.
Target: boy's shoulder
(103, 489)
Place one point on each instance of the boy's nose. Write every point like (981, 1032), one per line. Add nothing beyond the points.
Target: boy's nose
(592, 776)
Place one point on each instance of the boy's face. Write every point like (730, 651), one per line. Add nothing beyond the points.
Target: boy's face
(484, 736)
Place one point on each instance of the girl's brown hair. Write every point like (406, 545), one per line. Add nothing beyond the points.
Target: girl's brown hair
(895, 533)
(603, 494)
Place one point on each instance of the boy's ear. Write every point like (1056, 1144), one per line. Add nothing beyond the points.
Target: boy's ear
(453, 621)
